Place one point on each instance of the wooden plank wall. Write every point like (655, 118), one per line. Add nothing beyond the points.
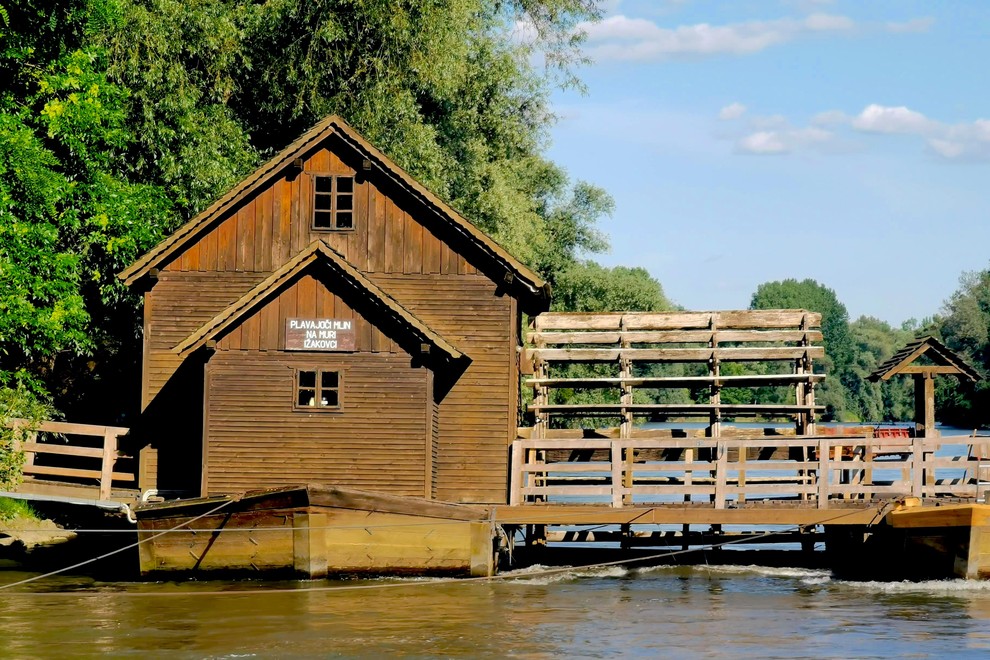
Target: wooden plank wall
(256, 439)
(308, 297)
(475, 414)
(276, 223)
(178, 305)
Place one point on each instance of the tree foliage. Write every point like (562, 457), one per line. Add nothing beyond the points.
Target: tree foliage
(586, 286)
(809, 294)
(71, 215)
(119, 119)
(964, 326)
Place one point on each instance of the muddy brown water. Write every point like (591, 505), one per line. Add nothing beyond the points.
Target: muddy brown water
(726, 611)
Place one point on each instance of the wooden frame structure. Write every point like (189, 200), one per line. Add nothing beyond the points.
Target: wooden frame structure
(713, 339)
(944, 362)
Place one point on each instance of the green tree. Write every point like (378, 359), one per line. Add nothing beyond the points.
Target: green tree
(964, 326)
(586, 286)
(874, 342)
(809, 294)
(70, 215)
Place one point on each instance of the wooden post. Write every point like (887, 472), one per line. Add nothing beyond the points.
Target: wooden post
(917, 467)
(482, 548)
(626, 426)
(799, 399)
(741, 481)
(615, 455)
(688, 481)
(515, 474)
(309, 544)
(721, 465)
(924, 404)
(109, 458)
(823, 472)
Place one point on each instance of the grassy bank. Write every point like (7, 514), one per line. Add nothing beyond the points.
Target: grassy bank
(11, 508)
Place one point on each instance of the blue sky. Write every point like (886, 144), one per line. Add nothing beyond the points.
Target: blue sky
(750, 141)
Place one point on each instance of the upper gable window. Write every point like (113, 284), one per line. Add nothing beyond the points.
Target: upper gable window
(333, 203)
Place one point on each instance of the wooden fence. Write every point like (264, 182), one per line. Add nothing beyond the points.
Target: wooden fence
(74, 456)
(725, 472)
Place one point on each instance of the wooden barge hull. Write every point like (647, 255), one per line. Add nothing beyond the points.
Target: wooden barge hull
(313, 531)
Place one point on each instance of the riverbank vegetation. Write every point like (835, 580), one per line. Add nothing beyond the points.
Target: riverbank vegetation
(11, 508)
(120, 119)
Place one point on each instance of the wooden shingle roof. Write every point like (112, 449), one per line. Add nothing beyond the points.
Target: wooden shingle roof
(532, 284)
(945, 361)
(316, 252)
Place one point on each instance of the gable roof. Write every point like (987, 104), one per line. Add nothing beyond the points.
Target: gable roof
(934, 350)
(334, 125)
(316, 252)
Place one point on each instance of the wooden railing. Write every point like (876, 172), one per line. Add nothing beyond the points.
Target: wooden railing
(85, 462)
(725, 472)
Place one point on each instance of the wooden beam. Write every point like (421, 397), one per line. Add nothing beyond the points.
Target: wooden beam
(741, 354)
(923, 369)
(755, 380)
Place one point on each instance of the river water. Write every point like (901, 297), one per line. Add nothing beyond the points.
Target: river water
(725, 611)
(672, 611)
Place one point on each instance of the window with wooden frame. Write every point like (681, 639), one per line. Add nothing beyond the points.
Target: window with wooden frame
(317, 389)
(333, 203)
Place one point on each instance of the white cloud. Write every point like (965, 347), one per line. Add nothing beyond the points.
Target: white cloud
(885, 119)
(732, 111)
(967, 141)
(623, 38)
(782, 141)
(764, 142)
(913, 25)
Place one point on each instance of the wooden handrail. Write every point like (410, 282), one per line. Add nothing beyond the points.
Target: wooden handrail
(108, 453)
(822, 469)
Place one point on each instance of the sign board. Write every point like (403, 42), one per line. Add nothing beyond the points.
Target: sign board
(319, 335)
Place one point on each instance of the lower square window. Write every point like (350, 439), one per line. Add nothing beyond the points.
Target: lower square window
(317, 389)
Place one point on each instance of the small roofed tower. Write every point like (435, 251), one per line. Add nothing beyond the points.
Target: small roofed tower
(936, 360)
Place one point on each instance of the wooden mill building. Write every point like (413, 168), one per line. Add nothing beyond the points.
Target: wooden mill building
(330, 320)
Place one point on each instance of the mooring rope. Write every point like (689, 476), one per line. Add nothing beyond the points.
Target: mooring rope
(396, 585)
(118, 550)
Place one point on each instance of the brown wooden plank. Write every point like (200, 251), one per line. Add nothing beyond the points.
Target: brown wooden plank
(283, 235)
(722, 320)
(263, 231)
(746, 354)
(412, 245)
(431, 253)
(306, 289)
(209, 255)
(675, 337)
(394, 231)
(377, 218)
(357, 240)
